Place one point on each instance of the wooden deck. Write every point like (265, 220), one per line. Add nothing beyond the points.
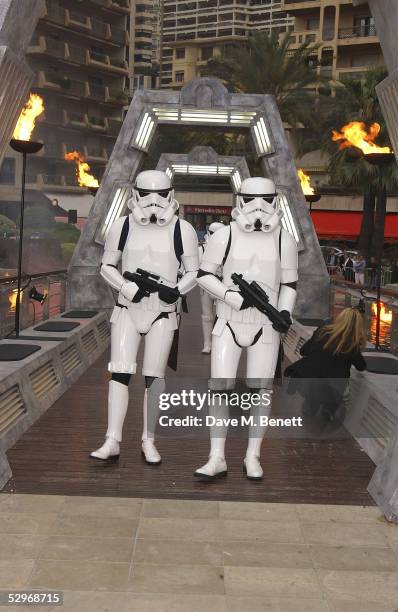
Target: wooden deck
(52, 456)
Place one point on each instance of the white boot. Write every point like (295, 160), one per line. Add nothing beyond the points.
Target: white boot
(252, 467)
(118, 399)
(150, 413)
(216, 466)
(109, 450)
(150, 452)
(251, 463)
(207, 326)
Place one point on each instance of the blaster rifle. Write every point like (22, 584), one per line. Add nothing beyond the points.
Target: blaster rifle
(257, 297)
(151, 283)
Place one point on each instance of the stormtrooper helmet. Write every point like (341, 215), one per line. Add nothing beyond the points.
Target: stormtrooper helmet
(257, 206)
(213, 227)
(153, 200)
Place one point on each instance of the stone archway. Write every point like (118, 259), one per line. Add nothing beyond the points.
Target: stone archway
(202, 102)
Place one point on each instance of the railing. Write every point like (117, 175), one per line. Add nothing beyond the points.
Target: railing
(345, 294)
(51, 283)
(369, 275)
(357, 31)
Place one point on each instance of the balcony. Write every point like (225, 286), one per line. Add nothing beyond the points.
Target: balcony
(119, 6)
(95, 154)
(64, 85)
(117, 96)
(114, 125)
(362, 31)
(55, 182)
(104, 61)
(99, 124)
(77, 20)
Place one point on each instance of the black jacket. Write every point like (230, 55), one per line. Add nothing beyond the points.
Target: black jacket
(322, 363)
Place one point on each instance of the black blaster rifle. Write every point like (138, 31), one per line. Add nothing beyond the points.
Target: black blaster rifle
(151, 283)
(256, 296)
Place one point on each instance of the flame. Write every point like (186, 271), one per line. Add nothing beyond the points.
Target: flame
(355, 134)
(84, 178)
(305, 181)
(27, 119)
(385, 315)
(12, 298)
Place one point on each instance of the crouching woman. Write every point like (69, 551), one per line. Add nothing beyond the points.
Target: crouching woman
(326, 363)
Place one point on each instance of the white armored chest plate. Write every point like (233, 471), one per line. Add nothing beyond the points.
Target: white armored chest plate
(151, 248)
(255, 255)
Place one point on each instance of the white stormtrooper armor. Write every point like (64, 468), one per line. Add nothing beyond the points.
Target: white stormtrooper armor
(256, 246)
(154, 239)
(207, 302)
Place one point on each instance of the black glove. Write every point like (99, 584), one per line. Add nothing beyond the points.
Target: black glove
(286, 316)
(141, 293)
(246, 303)
(169, 295)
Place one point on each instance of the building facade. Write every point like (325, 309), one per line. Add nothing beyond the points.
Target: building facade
(194, 31)
(346, 34)
(79, 54)
(145, 35)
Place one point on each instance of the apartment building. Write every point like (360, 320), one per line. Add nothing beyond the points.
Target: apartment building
(80, 54)
(346, 34)
(145, 35)
(196, 30)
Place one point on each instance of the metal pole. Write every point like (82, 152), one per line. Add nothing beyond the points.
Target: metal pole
(21, 222)
(378, 277)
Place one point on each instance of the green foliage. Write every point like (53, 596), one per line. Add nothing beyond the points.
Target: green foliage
(65, 233)
(39, 218)
(267, 65)
(6, 224)
(67, 251)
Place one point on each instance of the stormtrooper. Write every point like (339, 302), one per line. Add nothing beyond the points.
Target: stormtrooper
(207, 302)
(255, 246)
(149, 245)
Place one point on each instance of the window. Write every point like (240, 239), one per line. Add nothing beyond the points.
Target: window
(179, 77)
(180, 53)
(7, 171)
(207, 53)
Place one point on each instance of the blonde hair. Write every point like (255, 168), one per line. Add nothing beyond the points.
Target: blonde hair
(346, 333)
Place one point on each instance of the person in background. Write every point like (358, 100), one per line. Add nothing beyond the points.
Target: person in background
(328, 357)
(394, 272)
(359, 270)
(348, 269)
(372, 268)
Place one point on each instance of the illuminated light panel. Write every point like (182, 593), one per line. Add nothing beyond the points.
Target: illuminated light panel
(169, 172)
(236, 180)
(188, 115)
(199, 169)
(287, 220)
(115, 211)
(144, 131)
(261, 136)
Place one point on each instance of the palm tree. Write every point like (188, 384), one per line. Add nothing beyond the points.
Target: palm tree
(266, 64)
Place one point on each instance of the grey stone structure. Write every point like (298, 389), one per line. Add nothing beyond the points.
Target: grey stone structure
(18, 19)
(204, 102)
(30, 387)
(385, 13)
(206, 157)
(371, 418)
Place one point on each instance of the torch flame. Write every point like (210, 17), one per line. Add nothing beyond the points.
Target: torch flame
(385, 315)
(355, 134)
(27, 119)
(305, 181)
(84, 178)
(12, 298)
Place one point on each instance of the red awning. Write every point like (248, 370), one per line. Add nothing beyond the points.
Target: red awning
(347, 224)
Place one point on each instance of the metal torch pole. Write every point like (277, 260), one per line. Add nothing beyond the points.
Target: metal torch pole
(378, 273)
(21, 222)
